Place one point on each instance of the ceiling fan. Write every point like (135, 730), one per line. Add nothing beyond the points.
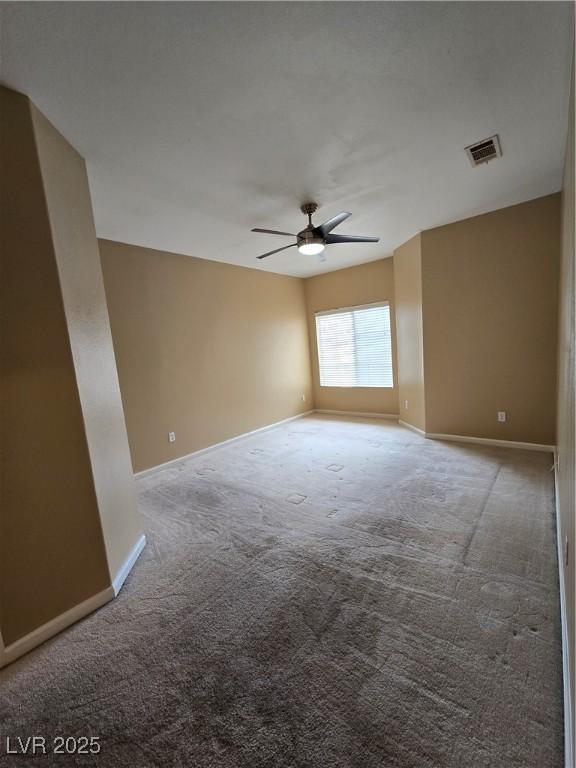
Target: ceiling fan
(312, 240)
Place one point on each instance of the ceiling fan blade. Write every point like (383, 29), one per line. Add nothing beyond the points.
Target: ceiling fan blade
(350, 239)
(273, 232)
(329, 225)
(292, 245)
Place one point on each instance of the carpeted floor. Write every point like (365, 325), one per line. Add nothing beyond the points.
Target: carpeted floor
(327, 593)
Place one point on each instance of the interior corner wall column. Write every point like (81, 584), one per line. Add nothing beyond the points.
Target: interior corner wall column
(490, 308)
(478, 299)
(69, 518)
(408, 293)
(82, 287)
(566, 435)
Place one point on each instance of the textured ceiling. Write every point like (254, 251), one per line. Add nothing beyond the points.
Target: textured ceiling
(199, 121)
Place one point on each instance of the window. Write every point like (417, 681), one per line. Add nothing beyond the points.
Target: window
(355, 347)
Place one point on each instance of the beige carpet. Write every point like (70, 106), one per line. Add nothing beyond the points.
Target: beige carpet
(328, 593)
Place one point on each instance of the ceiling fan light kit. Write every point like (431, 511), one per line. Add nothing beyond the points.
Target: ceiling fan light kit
(312, 240)
(311, 247)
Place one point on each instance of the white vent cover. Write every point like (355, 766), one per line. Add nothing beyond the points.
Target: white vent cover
(484, 150)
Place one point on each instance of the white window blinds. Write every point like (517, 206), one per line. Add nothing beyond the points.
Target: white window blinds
(355, 347)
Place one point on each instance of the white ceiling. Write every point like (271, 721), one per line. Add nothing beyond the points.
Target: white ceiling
(199, 121)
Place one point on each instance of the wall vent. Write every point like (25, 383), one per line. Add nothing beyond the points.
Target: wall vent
(484, 150)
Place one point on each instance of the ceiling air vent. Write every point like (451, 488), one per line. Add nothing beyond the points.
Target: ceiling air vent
(485, 150)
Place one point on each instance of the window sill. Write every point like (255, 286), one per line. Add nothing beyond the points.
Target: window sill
(355, 386)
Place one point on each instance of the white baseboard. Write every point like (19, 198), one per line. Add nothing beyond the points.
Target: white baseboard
(412, 427)
(51, 628)
(479, 440)
(568, 704)
(393, 416)
(200, 451)
(128, 564)
(38, 636)
(490, 441)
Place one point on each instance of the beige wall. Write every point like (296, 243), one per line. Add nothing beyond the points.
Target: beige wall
(408, 295)
(52, 549)
(69, 518)
(82, 288)
(567, 392)
(490, 297)
(350, 287)
(204, 349)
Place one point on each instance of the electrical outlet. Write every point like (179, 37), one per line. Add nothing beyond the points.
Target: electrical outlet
(171, 437)
(406, 404)
(501, 415)
(303, 398)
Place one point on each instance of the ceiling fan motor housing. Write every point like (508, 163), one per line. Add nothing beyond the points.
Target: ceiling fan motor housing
(309, 235)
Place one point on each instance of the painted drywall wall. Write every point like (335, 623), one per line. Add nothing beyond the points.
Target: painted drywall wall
(490, 299)
(566, 455)
(52, 549)
(409, 330)
(204, 349)
(82, 288)
(351, 287)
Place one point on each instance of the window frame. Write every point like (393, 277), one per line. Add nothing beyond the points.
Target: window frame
(355, 308)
